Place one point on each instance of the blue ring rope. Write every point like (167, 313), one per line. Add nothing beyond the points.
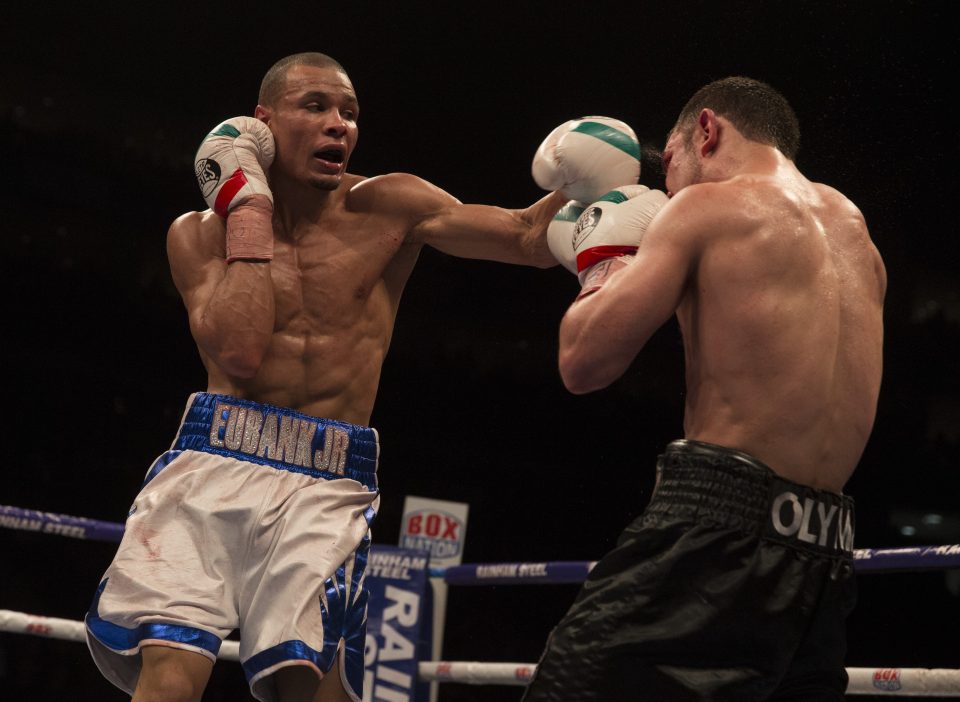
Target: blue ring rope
(866, 560)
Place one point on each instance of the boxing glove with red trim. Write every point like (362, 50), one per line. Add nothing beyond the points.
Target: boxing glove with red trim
(612, 227)
(231, 166)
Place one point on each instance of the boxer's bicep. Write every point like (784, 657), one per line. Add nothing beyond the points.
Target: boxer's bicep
(469, 231)
(196, 266)
(487, 232)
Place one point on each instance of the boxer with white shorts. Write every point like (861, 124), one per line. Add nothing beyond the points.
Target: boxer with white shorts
(291, 282)
(254, 507)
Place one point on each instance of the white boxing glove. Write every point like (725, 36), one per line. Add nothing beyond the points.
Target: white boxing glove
(231, 166)
(587, 157)
(560, 234)
(232, 161)
(613, 227)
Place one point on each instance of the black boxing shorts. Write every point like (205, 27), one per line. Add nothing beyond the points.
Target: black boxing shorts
(734, 584)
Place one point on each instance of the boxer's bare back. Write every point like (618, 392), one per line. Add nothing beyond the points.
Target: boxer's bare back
(778, 290)
(783, 327)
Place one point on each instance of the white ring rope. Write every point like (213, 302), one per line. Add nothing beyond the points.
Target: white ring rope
(70, 630)
(897, 682)
(900, 682)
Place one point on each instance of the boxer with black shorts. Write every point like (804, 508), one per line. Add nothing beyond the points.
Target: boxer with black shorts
(258, 516)
(735, 582)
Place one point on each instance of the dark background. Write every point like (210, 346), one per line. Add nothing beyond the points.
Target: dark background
(102, 107)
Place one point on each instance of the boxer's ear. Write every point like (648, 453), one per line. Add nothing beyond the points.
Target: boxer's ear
(263, 114)
(708, 131)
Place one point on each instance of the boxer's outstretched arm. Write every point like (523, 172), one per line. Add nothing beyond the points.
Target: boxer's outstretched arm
(481, 231)
(494, 233)
(230, 306)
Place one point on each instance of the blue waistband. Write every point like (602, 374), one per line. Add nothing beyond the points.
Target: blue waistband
(279, 437)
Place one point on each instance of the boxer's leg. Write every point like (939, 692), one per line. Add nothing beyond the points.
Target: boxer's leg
(298, 683)
(171, 675)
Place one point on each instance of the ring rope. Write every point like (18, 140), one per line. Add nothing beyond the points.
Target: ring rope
(866, 560)
(70, 630)
(899, 682)
(62, 524)
(905, 682)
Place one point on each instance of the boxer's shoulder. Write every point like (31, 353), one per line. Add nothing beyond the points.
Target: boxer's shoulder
(196, 231)
(397, 194)
(198, 223)
(707, 209)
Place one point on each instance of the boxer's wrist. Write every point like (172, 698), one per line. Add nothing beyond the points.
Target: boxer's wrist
(250, 230)
(594, 277)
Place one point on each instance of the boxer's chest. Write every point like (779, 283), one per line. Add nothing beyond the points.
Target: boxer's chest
(334, 272)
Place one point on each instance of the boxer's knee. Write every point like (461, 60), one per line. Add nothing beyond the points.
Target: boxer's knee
(301, 683)
(172, 675)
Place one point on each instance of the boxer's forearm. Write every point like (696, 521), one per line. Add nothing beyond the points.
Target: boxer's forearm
(237, 323)
(593, 352)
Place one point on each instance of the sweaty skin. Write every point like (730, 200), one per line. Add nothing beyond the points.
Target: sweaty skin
(310, 329)
(778, 291)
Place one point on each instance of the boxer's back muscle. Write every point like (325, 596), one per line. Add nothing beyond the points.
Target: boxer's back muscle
(784, 330)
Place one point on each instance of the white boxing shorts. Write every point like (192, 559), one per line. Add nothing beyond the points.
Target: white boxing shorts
(257, 518)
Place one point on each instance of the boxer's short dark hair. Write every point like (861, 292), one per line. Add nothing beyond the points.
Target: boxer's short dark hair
(275, 77)
(756, 109)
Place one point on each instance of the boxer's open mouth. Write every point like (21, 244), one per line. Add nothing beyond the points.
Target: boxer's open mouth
(333, 155)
